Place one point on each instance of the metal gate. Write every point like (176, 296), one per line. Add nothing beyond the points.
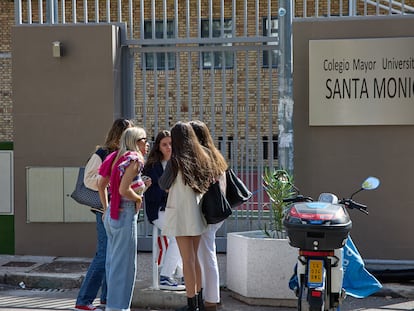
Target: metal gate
(213, 60)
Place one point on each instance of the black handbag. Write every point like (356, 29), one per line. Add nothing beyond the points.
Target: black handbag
(214, 205)
(84, 195)
(236, 191)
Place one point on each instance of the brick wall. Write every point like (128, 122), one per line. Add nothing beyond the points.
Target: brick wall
(247, 95)
(6, 105)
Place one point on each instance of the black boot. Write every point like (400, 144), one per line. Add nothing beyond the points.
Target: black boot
(200, 302)
(191, 305)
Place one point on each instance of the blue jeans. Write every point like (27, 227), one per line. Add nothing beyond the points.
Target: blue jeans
(95, 277)
(121, 256)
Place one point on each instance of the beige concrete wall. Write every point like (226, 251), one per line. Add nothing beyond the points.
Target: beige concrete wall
(63, 108)
(337, 158)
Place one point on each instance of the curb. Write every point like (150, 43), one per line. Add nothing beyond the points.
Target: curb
(55, 281)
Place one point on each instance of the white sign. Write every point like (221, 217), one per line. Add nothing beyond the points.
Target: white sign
(361, 81)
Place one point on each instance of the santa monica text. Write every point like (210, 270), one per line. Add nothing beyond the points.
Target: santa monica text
(353, 88)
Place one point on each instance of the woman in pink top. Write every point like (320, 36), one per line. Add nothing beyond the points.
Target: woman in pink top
(122, 171)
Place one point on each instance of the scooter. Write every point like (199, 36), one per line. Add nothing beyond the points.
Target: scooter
(320, 230)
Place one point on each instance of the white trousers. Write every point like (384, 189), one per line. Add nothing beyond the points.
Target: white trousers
(209, 265)
(172, 263)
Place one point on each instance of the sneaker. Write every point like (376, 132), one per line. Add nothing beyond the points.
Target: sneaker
(88, 307)
(168, 283)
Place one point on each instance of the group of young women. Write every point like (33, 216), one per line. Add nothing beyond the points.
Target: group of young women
(178, 171)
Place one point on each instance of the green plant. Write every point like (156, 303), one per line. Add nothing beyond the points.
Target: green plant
(278, 185)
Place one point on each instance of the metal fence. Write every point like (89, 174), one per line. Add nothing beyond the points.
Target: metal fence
(213, 60)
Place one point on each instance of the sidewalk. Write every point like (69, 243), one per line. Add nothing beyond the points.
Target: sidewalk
(67, 273)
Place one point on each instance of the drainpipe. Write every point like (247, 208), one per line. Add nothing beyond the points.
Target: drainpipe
(285, 105)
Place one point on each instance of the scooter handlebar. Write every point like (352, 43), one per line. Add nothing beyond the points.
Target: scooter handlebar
(352, 204)
(298, 198)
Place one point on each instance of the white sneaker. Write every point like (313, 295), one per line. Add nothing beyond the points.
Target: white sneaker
(168, 283)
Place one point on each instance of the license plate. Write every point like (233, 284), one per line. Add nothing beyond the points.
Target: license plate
(315, 271)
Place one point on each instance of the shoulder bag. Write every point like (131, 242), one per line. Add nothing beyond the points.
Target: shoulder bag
(84, 195)
(236, 191)
(214, 205)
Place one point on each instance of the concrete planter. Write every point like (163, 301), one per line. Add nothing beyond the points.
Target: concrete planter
(259, 268)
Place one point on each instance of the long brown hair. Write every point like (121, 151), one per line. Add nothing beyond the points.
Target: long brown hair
(204, 136)
(114, 134)
(189, 157)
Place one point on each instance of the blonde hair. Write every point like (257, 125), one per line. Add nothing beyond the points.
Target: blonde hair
(128, 140)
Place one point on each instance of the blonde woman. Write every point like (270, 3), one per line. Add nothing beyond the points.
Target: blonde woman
(122, 171)
(95, 277)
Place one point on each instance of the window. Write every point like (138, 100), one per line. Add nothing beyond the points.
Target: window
(271, 54)
(217, 59)
(266, 146)
(159, 58)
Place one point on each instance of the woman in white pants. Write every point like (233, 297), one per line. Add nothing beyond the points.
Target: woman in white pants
(207, 248)
(155, 201)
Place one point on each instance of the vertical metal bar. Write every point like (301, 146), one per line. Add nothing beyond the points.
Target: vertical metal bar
(270, 78)
(96, 11)
(167, 110)
(212, 89)
(176, 19)
(340, 8)
(119, 11)
(155, 73)
(142, 20)
(74, 11)
(40, 6)
(29, 12)
(285, 107)
(127, 81)
(108, 11)
(63, 12)
(177, 60)
(316, 8)
(201, 67)
(85, 11)
(190, 84)
(50, 9)
(222, 18)
(164, 19)
(210, 19)
(178, 82)
(246, 105)
(257, 10)
(153, 19)
(329, 8)
(165, 36)
(233, 18)
(131, 19)
(198, 19)
(305, 9)
(245, 18)
(144, 83)
(187, 19)
(18, 11)
(235, 107)
(155, 278)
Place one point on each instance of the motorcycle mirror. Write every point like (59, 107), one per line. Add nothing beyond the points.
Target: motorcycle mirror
(370, 183)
